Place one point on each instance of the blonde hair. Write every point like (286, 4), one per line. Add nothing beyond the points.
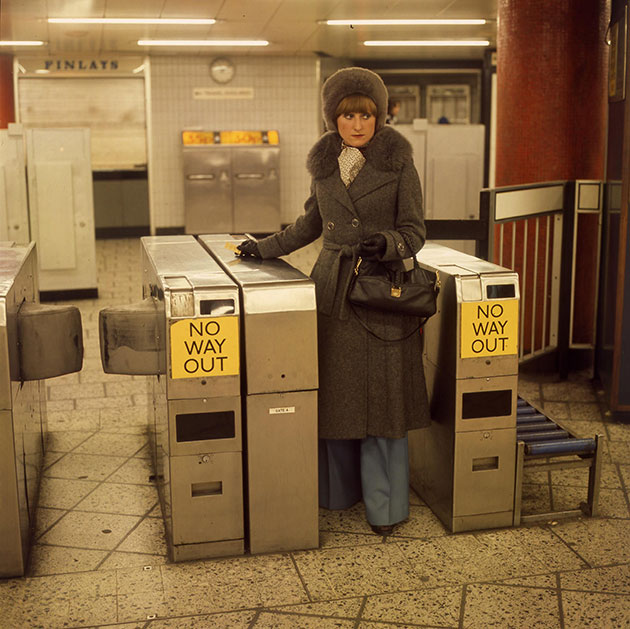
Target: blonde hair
(356, 104)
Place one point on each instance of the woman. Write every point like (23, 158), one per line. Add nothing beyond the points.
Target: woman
(367, 201)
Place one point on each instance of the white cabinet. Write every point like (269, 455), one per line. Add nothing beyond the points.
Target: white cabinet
(13, 201)
(61, 208)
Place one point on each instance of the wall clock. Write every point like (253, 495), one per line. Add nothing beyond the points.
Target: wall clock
(222, 70)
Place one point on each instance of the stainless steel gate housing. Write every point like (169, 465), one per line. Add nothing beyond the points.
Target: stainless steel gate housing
(463, 465)
(280, 338)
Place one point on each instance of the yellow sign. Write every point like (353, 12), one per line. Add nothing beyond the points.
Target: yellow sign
(204, 347)
(200, 138)
(489, 328)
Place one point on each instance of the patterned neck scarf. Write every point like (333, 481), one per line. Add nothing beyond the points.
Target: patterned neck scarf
(351, 161)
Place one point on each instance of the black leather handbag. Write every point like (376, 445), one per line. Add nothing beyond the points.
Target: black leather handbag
(387, 286)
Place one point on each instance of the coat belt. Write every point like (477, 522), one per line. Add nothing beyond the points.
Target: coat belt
(330, 290)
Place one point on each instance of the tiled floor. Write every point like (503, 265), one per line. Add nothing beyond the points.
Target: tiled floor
(99, 557)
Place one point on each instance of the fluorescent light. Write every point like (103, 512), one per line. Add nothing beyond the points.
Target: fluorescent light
(21, 43)
(427, 42)
(401, 22)
(129, 20)
(202, 42)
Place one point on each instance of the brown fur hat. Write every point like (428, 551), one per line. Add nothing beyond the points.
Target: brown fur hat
(353, 81)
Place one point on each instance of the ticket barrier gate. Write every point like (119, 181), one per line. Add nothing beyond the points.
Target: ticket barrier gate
(36, 342)
(463, 465)
(187, 332)
(280, 337)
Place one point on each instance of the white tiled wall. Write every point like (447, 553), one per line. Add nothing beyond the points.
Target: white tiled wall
(286, 98)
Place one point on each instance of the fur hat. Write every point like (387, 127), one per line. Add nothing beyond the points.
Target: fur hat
(353, 81)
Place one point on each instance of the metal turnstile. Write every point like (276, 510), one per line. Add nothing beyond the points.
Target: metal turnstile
(210, 329)
(463, 465)
(186, 333)
(231, 181)
(36, 342)
(280, 339)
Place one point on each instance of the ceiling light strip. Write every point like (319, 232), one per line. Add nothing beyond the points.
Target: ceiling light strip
(131, 20)
(21, 43)
(427, 22)
(202, 42)
(428, 42)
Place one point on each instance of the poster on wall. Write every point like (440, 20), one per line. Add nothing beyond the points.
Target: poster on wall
(617, 58)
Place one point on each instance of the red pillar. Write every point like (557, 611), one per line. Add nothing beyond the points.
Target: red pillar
(7, 110)
(551, 90)
(551, 125)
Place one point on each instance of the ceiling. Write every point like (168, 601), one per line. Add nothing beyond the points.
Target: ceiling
(289, 25)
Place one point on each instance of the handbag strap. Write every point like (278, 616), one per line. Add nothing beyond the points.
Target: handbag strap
(381, 338)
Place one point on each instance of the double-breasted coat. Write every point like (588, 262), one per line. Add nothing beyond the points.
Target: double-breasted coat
(367, 386)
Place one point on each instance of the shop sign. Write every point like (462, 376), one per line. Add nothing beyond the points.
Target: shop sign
(80, 66)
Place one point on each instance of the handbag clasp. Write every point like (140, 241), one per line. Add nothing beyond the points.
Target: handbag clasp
(395, 291)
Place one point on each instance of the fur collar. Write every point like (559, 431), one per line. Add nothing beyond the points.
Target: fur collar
(388, 150)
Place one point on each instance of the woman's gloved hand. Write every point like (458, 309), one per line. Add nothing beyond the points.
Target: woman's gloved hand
(249, 247)
(373, 246)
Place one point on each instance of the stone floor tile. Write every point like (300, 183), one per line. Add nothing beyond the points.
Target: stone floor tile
(582, 609)
(614, 579)
(84, 467)
(345, 520)
(585, 411)
(72, 420)
(139, 579)
(612, 502)
(269, 620)
(143, 606)
(619, 451)
(600, 542)
(102, 531)
(128, 625)
(415, 499)
(538, 581)
(347, 572)
(122, 560)
(107, 443)
(48, 560)
(557, 411)
(618, 432)
(422, 523)
(331, 539)
(96, 403)
(436, 607)
(584, 429)
(63, 493)
(127, 387)
(120, 498)
(74, 391)
(234, 620)
(535, 498)
(66, 440)
(82, 585)
(501, 606)
(567, 391)
(345, 608)
(136, 470)
(148, 537)
(45, 519)
(576, 477)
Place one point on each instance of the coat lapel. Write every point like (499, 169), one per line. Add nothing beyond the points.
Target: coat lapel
(368, 180)
(335, 188)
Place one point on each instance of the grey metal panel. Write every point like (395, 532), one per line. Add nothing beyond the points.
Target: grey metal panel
(280, 319)
(464, 467)
(207, 495)
(256, 189)
(282, 471)
(208, 189)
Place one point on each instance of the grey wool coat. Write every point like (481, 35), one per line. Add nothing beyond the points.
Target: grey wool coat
(368, 386)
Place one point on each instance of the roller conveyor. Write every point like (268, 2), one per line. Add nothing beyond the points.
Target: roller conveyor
(543, 445)
(532, 425)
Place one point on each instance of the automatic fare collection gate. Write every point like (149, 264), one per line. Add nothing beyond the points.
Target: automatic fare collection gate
(220, 492)
(463, 465)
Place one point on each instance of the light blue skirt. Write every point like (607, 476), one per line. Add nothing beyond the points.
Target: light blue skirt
(375, 469)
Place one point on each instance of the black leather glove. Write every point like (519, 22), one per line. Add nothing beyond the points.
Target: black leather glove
(373, 246)
(249, 248)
